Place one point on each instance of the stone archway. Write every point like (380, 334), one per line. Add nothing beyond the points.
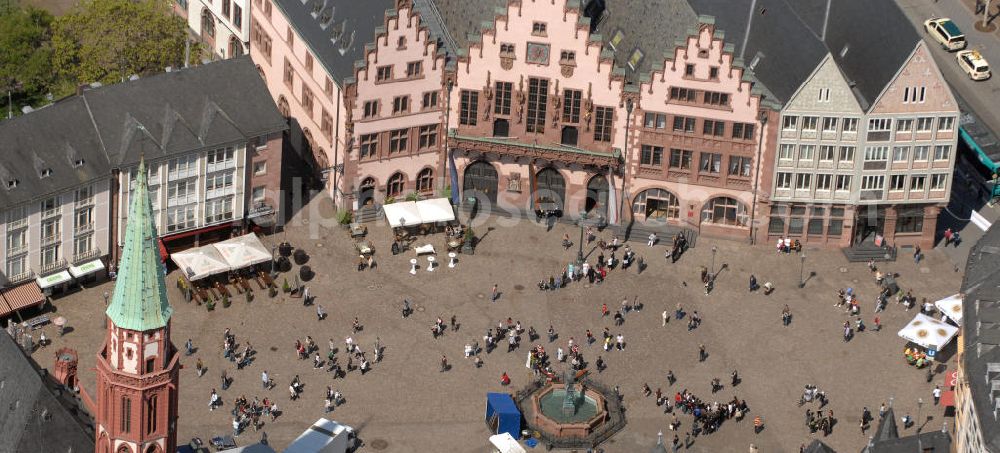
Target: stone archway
(283, 107)
(481, 181)
(235, 47)
(550, 187)
(366, 192)
(596, 203)
(208, 28)
(656, 205)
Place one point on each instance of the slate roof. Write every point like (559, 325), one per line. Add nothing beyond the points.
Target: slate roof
(981, 318)
(817, 446)
(37, 415)
(140, 301)
(336, 31)
(177, 112)
(462, 18)
(652, 26)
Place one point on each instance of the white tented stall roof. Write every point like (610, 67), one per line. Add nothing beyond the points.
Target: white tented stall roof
(952, 307)
(324, 436)
(402, 214)
(243, 251)
(435, 210)
(928, 332)
(505, 443)
(200, 262)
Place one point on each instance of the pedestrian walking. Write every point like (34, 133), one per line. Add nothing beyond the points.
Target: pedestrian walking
(670, 377)
(188, 347)
(877, 323)
(702, 355)
(305, 296)
(916, 254)
(444, 363)
(947, 236)
(199, 367)
(604, 310)
(937, 394)
(552, 334)
(495, 294)
(320, 313)
(265, 380)
(758, 425)
(679, 312)
(666, 318)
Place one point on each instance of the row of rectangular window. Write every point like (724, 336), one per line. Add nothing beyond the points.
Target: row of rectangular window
(398, 141)
(692, 95)
(400, 104)
(654, 120)
(537, 107)
(811, 123)
(824, 181)
(385, 73)
(708, 163)
(872, 153)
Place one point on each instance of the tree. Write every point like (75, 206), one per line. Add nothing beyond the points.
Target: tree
(109, 40)
(25, 54)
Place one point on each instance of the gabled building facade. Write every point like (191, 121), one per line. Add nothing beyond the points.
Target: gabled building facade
(395, 116)
(223, 26)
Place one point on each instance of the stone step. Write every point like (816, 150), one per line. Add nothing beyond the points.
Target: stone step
(863, 254)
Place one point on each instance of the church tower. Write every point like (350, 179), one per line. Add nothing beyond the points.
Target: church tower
(138, 367)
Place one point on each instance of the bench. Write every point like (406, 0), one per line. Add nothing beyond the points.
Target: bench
(38, 322)
(425, 249)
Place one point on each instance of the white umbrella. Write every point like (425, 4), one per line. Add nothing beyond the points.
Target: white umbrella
(928, 332)
(951, 306)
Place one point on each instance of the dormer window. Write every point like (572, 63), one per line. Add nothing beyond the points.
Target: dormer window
(45, 173)
(12, 183)
(538, 29)
(635, 58)
(77, 163)
(616, 39)
(401, 43)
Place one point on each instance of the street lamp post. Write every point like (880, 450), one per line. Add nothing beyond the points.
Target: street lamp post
(714, 249)
(920, 405)
(274, 250)
(579, 252)
(802, 267)
(106, 297)
(623, 198)
(756, 179)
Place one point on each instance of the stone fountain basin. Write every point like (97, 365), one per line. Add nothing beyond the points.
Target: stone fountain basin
(555, 424)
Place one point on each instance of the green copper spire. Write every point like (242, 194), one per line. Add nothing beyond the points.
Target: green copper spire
(140, 299)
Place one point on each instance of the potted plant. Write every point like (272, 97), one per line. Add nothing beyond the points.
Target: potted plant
(345, 217)
(468, 247)
(412, 196)
(284, 286)
(389, 200)
(210, 305)
(249, 296)
(272, 291)
(225, 301)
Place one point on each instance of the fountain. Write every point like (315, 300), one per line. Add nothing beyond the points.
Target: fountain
(566, 411)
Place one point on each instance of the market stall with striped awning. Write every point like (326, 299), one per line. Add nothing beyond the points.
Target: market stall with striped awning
(20, 297)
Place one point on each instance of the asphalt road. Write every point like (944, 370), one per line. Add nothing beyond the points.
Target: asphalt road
(981, 96)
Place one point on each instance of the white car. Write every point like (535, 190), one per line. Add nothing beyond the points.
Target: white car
(945, 32)
(973, 63)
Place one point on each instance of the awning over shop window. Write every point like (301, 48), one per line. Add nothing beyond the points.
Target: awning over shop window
(86, 268)
(243, 251)
(58, 278)
(19, 297)
(200, 262)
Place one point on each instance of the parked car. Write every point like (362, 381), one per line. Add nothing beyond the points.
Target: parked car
(945, 32)
(973, 63)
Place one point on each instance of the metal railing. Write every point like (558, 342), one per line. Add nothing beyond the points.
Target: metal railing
(85, 228)
(20, 278)
(16, 249)
(84, 202)
(51, 239)
(53, 266)
(50, 213)
(86, 256)
(19, 223)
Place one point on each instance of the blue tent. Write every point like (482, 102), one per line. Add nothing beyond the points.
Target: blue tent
(502, 414)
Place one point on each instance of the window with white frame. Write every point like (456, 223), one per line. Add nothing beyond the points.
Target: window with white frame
(260, 168)
(786, 151)
(809, 123)
(84, 219)
(17, 265)
(876, 153)
(790, 123)
(846, 154)
(879, 124)
(218, 209)
(824, 181)
(917, 182)
(257, 194)
(83, 244)
(900, 153)
(84, 195)
(218, 184)
(945, 123)
(925, 124)
(850, 125)
(897, 182)
(830, 124)
(843, 183)
(220, 159)
(938, 181)
(806, 152)
(826, 153)
(784, 180)
(872, 182)
(51, 230)
(904, 125)
(182, 167)
(803, 181)
(942, 152)
(49, 255)
(921, 152)
(181, 217)
(49, 207)
(182, 192)
(17, 241)
(17, 216)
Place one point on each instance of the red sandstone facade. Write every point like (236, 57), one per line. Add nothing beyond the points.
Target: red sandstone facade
(137, 377)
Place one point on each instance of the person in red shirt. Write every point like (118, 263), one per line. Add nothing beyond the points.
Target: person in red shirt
(504, 379)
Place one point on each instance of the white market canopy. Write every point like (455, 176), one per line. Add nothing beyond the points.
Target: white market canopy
(243, 251)
(951, 306)
(505, 443)
(928, 332)
(410, 213)
(200, 262)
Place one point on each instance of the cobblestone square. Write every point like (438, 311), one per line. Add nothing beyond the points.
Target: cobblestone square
(405, 404)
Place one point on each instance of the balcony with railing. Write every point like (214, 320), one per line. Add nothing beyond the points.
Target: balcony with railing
(84, 202)
(86, 256)
(16, 249)
(56, 265)
(20, 278)
(51, 239)
(48, 213)
(18, 223)
(85, 228)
